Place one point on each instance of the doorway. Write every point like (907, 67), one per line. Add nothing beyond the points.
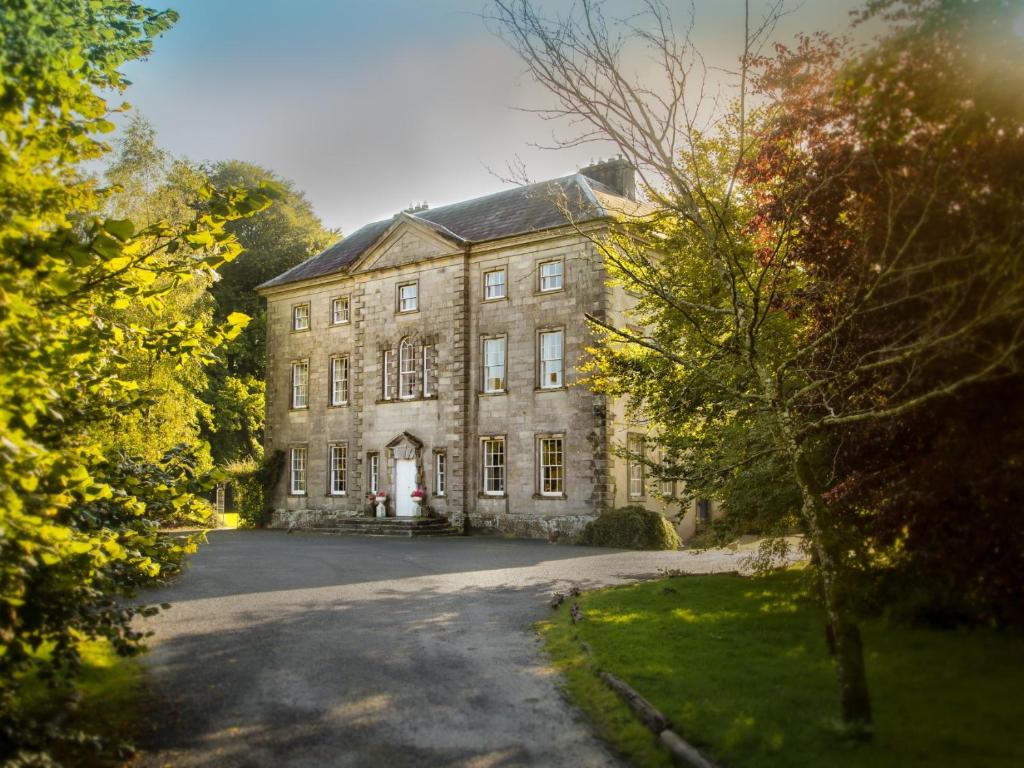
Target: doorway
(405, 484)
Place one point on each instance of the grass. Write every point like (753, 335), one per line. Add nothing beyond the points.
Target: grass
(739, 665)
(108, 692)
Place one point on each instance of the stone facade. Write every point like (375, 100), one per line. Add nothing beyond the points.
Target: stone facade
(557, 469)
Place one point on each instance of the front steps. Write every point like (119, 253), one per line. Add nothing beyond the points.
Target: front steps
(387, 526)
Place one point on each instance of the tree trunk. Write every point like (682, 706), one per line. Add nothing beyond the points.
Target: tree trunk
(844, 634)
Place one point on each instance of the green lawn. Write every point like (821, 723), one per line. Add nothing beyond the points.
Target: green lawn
(109, 690)
(740, 667)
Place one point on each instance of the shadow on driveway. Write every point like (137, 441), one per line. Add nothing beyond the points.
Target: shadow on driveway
(304, 650)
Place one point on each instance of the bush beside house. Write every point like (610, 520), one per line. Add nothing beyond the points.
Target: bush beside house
(630, 528)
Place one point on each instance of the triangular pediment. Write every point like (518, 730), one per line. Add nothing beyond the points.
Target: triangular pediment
(407, 241)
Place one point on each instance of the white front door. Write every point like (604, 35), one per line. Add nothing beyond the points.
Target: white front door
(405, 484)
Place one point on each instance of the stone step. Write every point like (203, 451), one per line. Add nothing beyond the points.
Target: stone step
(386, 531)
(386, 526)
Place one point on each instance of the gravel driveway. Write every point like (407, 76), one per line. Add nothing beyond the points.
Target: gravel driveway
(307, 650)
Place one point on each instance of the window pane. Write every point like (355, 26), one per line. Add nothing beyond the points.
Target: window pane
(298, 470)
(300, 385)
(494, 365)
(440, 476)
(635, 449)
(551, 275)
(339, 468)
(300, 317)
(551, 472)
(339, 311)
(494, 283)
(407, 298)
(427, 369)
(374, 463)
(339, 381)
(407, 369)
(494, 466)
(551, 359)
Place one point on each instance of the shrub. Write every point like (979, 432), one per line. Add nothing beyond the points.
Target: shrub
(252, 485)
(630, 528)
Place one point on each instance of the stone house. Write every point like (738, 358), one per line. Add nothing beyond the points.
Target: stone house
(439, 350)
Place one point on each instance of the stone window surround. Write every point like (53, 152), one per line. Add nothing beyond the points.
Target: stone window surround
(294, 317)
(489, 270)
(483, 494)
(538, 492)
(394, 370)
(304, 447)
(291, 385)
(482, 389)
(347, 298)
(538, 384)
(398, 297)
(537, 284)
(330, 381)
(330, 468)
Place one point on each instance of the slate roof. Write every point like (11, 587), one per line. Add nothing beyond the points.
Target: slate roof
(518, 211)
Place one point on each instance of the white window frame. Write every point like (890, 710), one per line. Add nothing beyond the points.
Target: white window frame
(386, 364)
(406, 369)
(345, 315)
(339, 381)
(543, 465)
(300, 312)
(546, 283)
(502, 286)
(300, 384)
(440, 473)
(489, 369)
(414, 299)
(546, 366)
(493, 463)
(635, 474)
(373, 472)
(297, 471)
(337, 462)
(426, 369)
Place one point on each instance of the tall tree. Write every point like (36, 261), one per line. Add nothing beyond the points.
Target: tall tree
(79, 520)
(905, 178)
(148, 188)
(274, 240)
(756, 347)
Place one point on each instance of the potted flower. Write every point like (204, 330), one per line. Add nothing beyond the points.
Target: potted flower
(418, 495)
(382, 504)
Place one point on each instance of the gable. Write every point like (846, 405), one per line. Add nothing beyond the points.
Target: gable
(405, 242)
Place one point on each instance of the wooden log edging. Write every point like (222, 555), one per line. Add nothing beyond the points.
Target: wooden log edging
(683, 753)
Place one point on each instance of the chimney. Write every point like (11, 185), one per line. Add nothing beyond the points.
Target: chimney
(615, 173)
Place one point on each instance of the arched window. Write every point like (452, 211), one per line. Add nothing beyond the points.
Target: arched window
(407, 369)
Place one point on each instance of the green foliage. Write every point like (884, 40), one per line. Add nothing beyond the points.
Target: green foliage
(83, 300)
(741, 667)
(237, 407)
(274, 241)
(630, 528)
(103, 702)
(253, 484)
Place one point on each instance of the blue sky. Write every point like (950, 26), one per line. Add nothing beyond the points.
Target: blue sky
(372, 106)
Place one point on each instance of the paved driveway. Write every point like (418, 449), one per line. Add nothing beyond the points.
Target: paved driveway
(305, 650)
